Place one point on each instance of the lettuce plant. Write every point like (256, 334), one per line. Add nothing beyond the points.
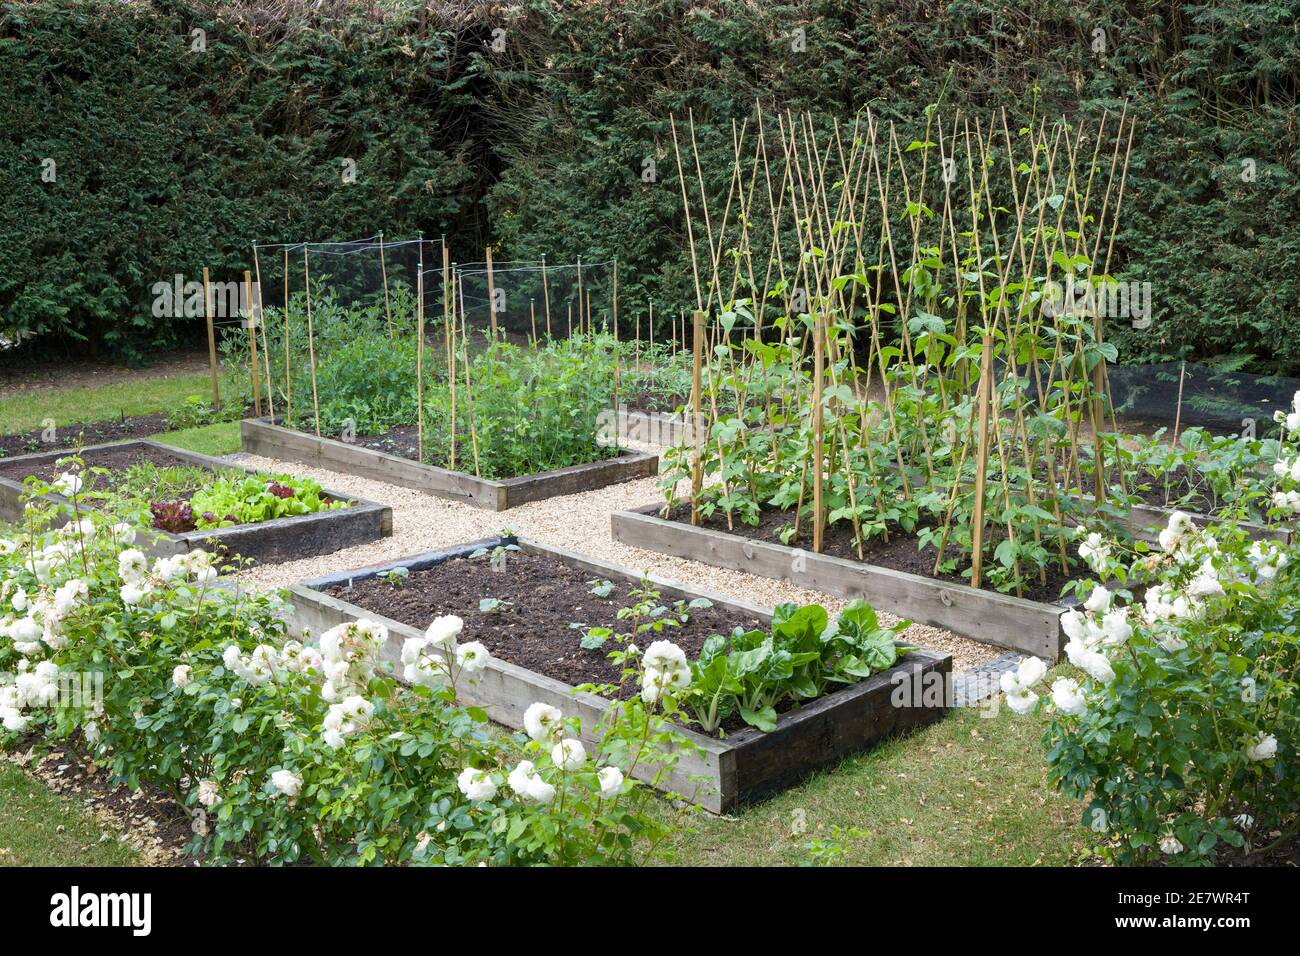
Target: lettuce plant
(754, 673)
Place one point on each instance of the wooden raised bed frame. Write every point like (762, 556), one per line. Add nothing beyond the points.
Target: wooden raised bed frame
(740, 768)
(267, 542)
(1030, 627)
(260, 436)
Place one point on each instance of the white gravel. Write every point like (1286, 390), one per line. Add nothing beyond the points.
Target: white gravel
(580, 523)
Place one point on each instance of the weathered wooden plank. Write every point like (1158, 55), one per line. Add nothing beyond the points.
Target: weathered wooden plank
(262, 437)
(988, 616)
(740, 768)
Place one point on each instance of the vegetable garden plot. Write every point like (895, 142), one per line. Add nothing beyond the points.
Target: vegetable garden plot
(194, 501)
(401, 371)
(906, 687)
(904, 342)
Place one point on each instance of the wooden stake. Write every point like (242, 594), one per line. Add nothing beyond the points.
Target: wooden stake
(251, 320)
(419, 355)
(492, 296)
(266, 350)
(697, 419)
(288, 376)
(212, 340)
(383, 266)
(614, 303)
(819, 371)
(580, 301)
(546, 299)
(469, 382)
(449, 336)
(982, 461)
(1178, 414)
(311, 337)
(532, 316)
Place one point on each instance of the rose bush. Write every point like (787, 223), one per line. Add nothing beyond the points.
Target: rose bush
(285, 753)
(1180, 730)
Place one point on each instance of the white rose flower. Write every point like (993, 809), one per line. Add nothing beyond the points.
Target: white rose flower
(528, 784)
(133, 593)
(1098, 600)
(1170, 845)
(287, 782)
(19, 600)
(472, 657)
(1098, 667)
(1068, 698)
(476, 784)
(1116, 628)
(132, 565)
(1248, 690)
(610, 780)
(181, 676)
(1093, 550)
(1263, 747)
(1029, 672)
(541, 721)
(444, 630)
(68, 484)
(569, 754)
(413, 649)
(665, 656)
(1022, 702)
(209, 795)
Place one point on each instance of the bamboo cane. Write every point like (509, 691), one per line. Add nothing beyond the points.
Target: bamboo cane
(311, 337)
(383, 267)
(212, 340)
(288, 372)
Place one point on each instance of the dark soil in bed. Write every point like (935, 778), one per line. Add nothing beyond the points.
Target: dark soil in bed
(78, 434)
(899, 553)
(546, 596)
(114, 459)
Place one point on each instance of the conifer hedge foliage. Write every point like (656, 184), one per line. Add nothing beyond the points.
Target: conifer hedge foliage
(544, 126)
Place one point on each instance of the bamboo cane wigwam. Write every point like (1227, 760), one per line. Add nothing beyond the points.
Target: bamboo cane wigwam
(906, 340)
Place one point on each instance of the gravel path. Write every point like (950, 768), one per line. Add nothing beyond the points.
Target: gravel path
(578, 522)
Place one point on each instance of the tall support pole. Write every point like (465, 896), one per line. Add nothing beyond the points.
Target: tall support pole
(251, 320)
(546, 298)
(212, 340)
(697, 419)
(311, 336)
(492, 296)
(614, 303)
(383, 268)
(288, 374)
(982, 461)
(266, 348)
(419, 354)
(819, 373)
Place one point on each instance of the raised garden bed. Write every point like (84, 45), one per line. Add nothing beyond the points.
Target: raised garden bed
(737, 768)
(1028, 626)
(261, 436)
(279, 539)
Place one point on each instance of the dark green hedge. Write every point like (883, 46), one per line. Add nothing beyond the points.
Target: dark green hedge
(169, 160)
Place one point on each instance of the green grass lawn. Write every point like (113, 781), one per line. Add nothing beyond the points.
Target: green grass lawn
(140, 396)
(221, 438)
(144, 396)
(969, 791)
(41, 828)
